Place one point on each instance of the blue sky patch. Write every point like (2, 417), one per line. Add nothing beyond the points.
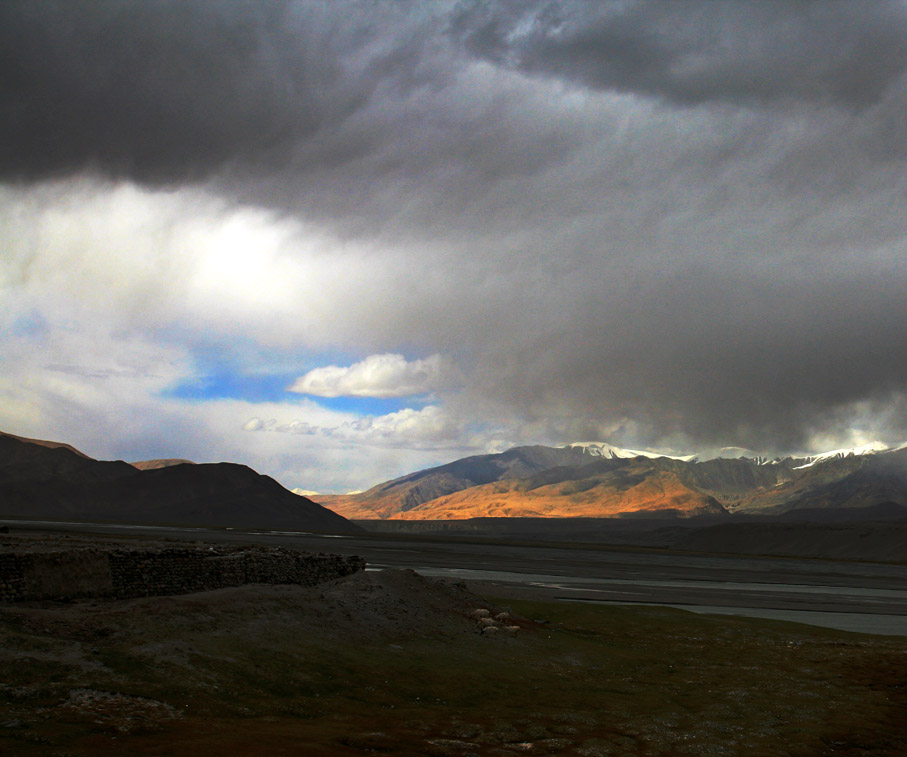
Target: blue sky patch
(240, 369)
(368, 405)
(29, 325)
(258, 387)
(230, 385)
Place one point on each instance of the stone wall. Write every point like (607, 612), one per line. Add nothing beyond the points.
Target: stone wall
(124, 573)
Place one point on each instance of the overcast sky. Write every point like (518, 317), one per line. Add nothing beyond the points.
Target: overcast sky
(343, 241)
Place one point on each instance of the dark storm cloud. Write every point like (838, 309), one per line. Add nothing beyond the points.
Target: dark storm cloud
(700, 51)
(720, 356)
(688, 216)
(162, 90)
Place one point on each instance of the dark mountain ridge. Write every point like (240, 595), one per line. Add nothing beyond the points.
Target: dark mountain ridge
(47, 481)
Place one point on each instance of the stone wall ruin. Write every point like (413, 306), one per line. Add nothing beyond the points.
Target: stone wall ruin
(125, 573)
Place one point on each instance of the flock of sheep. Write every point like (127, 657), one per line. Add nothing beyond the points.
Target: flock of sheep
(491, 626)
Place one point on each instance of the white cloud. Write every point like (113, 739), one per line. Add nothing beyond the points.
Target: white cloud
(428, 428)
(295, 427)
(116, 255)
(382, 376)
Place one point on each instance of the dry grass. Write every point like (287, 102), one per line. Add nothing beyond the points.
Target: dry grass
(391, 664)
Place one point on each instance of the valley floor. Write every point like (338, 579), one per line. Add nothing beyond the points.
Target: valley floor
(867, 596)
(391, 662)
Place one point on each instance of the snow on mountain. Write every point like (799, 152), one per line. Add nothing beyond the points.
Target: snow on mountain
(866, 449)
(603, 449)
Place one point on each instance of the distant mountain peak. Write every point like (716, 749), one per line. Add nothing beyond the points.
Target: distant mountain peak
(606, 450)
(865, 449)
(603, 449)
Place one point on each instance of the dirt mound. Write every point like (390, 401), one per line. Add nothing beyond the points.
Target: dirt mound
(391, 604)
(365, 607)
(398, 603)
(135, 666)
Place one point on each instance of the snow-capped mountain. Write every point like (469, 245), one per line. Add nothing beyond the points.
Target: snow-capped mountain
(866, 449)
(603, 449)
(601, 480)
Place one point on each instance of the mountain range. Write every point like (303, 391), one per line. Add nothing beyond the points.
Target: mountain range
(599, 480)
(41, 479)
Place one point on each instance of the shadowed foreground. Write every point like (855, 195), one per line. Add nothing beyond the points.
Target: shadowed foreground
(392, 663)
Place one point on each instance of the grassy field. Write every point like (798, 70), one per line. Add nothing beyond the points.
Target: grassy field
(399, 668)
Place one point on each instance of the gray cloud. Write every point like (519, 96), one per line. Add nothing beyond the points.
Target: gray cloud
(167, 90)
(718, 358)
(706, 51)
(669, 222)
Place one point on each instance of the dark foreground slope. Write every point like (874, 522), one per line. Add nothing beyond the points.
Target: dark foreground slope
(40, 481)
(391, 663)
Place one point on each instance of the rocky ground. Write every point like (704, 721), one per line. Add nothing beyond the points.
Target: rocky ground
(391, 662)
